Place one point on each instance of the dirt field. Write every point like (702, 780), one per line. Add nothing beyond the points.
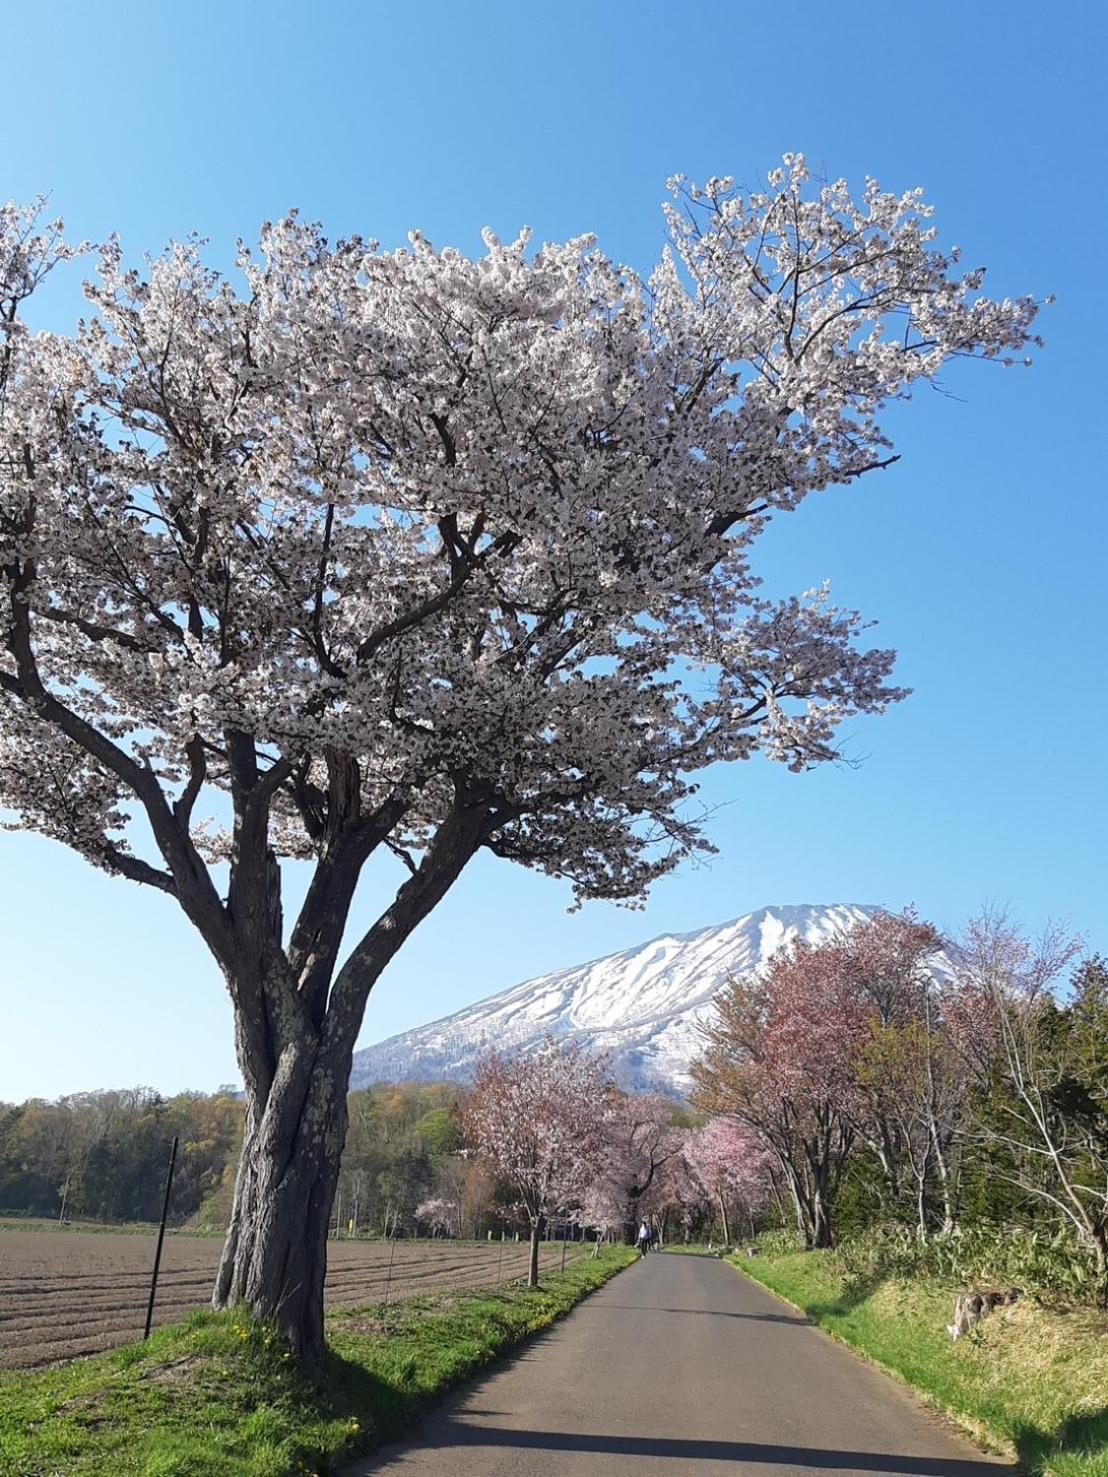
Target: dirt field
(66, 1293)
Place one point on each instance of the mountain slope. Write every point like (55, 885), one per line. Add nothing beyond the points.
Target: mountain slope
(643, 1006)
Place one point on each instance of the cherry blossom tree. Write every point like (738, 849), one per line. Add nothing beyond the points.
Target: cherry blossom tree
(676, 1192)
(441, 1217)
(912, 1085)
(781, 1058)
(639, 1141)
(604, 1210)
(731, 1164)
(535, 1120)
(411, 553)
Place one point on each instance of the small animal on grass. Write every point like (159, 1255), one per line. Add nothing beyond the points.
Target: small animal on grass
(971, 1307)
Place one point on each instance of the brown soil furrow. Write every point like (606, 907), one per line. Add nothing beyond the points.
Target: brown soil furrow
(49, 1312)
(78, 1317)
(91, 1297)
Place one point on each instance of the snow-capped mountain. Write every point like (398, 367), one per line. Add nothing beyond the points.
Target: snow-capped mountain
(642, 1007)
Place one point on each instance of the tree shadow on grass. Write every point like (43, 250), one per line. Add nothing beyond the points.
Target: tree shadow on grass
(857, 1288)
(386, 1407)
(1078, 1435)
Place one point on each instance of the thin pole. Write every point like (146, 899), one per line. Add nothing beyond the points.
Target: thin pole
(65, 1197)
(565, 1235)
(388, 1279)
(161, 1237)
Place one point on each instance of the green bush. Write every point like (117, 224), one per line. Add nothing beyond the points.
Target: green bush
(779, 1243)
(1055, 1266)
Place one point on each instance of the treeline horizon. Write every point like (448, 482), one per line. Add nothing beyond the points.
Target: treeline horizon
(101, 1156)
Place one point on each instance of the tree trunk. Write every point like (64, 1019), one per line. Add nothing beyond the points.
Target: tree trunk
(537, 1225)
(1099, 1240)
(723, 1216)
(822, 1237)
(296, 1022)
(800, 1211)
(944, 1184)
(275, 1254)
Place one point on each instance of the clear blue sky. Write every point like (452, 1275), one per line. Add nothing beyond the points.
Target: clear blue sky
(982, 553)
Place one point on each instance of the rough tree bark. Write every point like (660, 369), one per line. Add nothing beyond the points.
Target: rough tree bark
(275, 1253)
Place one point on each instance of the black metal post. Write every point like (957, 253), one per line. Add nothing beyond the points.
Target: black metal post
(388, 1279)
(161, 1237)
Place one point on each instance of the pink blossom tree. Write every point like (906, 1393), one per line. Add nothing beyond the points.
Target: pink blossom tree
(604, 1209)
(640, 1141)
(781, 1058)
(407, 553)
(535, 1120)
(911, 1083)
(731, 1165)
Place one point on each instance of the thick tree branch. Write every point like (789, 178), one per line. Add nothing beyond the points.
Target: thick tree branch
(137, 870)
(317, 933)
(194, 887)
(457, 839)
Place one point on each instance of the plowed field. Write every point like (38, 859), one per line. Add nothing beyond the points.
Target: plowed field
(66, 1293)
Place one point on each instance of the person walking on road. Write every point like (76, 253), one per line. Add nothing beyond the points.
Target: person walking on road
(644, 1239)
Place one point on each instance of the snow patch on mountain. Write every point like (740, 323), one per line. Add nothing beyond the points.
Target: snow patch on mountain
(643, 1006)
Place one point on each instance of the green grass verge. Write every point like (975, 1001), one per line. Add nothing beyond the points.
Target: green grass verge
(215, 1396)
(1031, 1381)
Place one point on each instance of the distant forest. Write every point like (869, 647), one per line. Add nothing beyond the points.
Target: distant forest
(103, 1156)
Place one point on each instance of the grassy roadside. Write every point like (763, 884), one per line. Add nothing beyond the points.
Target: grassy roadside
(1031, 1381)
(216, 1397)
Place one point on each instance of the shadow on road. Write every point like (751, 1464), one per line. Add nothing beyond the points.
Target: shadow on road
(796, 1319)
(459, 1433)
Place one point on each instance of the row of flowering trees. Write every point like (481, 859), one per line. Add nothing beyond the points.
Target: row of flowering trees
(555, 1129)
(934, 1062)
(943, 1081)
(884, 1077)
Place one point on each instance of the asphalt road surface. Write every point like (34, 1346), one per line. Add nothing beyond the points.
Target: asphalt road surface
(680, 1365)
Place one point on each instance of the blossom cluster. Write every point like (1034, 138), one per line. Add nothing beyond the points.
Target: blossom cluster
(440, 525)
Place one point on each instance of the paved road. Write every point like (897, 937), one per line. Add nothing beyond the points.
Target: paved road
(682, 1366)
